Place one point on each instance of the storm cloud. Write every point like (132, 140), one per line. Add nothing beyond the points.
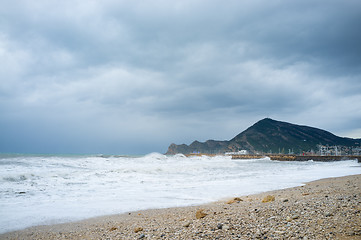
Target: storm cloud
(131, 77)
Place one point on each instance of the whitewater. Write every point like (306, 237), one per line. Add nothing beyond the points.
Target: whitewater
(49, 189)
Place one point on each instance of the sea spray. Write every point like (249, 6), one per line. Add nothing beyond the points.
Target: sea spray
(46, 189)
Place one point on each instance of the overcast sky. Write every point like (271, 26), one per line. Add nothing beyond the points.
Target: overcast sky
(131, 77)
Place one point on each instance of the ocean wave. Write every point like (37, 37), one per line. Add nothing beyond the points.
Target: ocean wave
(61, 187)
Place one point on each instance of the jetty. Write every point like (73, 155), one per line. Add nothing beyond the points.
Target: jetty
(286, 157)
(301, 158)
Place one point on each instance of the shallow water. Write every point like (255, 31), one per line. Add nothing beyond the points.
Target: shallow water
(47, 189)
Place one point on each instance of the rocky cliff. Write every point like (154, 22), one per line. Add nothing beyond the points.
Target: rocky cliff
(269, 135)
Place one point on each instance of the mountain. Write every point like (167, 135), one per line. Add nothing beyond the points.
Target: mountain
(269, 135)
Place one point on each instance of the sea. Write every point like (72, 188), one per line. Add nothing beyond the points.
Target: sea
(49, 189)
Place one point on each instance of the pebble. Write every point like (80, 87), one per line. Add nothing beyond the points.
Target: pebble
(138, 229)
(200, 214)
(225, 227)
(268, 198)
(187, 224)
(327, 214)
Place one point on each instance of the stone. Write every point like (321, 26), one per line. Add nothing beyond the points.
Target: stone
(231, 201)
(268, 198)
(200, 214)
(219, 225)
(141, 236)
(187, 224)
(293, 217)
(225, 227)
(138, 229)
(327, 214)
(234, 200)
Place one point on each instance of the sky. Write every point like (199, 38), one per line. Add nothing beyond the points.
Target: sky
(132, 77)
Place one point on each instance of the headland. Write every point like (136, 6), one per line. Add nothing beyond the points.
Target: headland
(269, 136)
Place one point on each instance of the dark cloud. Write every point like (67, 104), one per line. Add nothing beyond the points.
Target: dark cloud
(125, 77)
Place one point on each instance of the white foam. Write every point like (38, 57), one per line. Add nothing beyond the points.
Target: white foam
(52, 189)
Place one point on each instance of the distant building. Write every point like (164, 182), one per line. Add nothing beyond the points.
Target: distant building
(334, 150)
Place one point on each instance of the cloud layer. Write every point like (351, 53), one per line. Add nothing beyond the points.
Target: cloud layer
(132, 77)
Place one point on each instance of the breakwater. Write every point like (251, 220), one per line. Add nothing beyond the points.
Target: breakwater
(287, 157)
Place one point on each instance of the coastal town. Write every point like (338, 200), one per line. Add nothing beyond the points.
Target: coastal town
(323, 154)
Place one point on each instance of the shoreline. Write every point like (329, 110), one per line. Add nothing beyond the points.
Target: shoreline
(323, 209)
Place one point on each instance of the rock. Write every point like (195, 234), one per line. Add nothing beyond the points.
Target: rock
(268, 198)
(234, 200)
(284, 200)
(219, 225)
(231, 201)
(225, 227)
(113, 229)
(141, 236)
(187, 224)
(200, 214)
(138, 229)
(293, 217)
(327, 214)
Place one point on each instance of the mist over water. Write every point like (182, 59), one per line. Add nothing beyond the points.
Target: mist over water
(46, 189)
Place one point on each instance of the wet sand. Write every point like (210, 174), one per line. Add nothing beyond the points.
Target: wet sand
(324, 209)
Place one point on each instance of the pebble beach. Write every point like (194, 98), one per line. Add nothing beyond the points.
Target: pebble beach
(323, 209)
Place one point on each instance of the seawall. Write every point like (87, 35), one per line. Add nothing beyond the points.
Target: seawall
(280, 157)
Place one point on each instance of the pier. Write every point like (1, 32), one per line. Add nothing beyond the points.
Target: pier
(286, 157)
(290, 157)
